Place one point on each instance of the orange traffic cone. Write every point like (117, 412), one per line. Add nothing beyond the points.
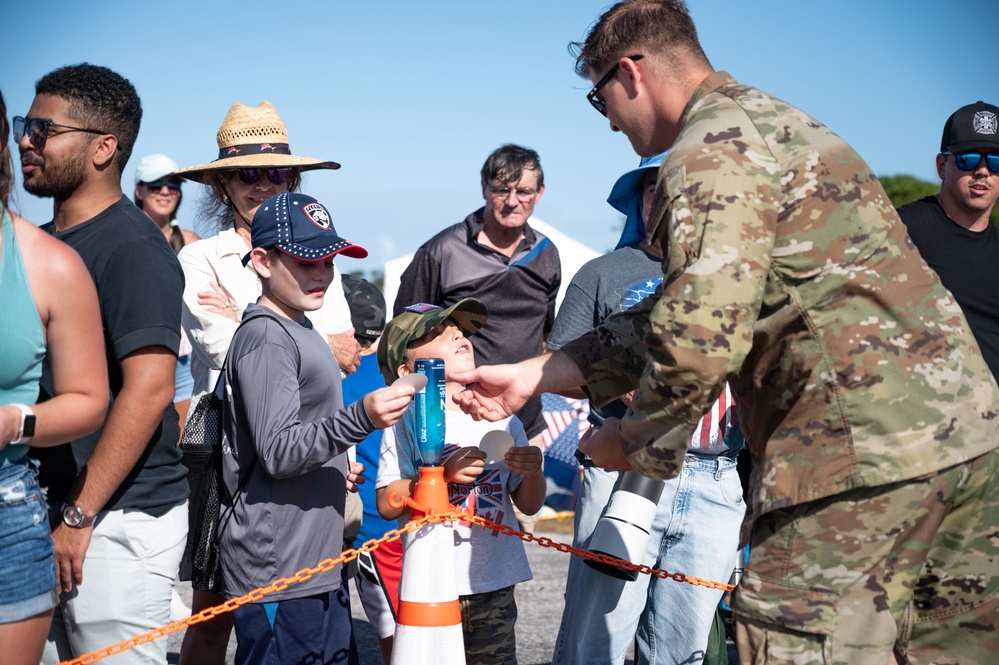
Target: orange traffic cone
(428, 624)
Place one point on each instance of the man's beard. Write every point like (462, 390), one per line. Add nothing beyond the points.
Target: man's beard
(57, 181)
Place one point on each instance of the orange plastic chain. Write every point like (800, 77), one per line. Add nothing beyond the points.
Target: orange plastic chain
(349, 555)
(593, 556)
(254, 596)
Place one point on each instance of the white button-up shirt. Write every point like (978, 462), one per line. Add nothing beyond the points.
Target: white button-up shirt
(219, 259)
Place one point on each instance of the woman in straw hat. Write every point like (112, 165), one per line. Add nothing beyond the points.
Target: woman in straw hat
(254, 163)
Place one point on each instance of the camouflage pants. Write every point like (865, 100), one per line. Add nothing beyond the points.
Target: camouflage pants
(911, 567)
(487, 625)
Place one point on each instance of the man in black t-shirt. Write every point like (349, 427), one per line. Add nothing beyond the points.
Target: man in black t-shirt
(119, 496)
(952, 229)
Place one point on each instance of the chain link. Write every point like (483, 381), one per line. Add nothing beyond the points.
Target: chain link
(349, 555)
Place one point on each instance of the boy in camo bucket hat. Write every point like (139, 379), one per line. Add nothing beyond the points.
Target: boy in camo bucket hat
(488, 484)
(415, 322)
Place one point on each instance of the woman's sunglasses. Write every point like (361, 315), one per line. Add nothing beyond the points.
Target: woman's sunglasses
(157, 185)
(252, 176)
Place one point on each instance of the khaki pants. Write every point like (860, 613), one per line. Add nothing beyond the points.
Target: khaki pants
(128, 576)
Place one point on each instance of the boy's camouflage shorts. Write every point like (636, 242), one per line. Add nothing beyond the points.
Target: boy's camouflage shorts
(487, 623)
(911, 567)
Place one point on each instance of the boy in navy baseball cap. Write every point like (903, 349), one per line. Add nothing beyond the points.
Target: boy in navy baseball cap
(301, 227)
(288, 433)
(294, 243)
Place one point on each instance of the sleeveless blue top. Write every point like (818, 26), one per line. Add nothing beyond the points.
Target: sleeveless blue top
(22, 339)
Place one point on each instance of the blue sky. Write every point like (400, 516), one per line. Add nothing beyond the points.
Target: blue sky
(412, 96)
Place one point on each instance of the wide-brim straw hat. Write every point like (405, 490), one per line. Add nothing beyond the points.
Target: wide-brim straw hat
(253, 137)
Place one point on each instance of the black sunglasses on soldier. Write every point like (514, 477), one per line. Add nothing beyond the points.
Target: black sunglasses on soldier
(598, 103)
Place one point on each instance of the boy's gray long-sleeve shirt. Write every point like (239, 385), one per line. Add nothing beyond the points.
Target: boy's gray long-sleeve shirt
(288, 430)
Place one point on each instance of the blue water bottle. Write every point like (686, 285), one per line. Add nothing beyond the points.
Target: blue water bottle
(430, 410)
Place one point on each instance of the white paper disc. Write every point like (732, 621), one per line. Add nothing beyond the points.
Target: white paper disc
(495, 444)
(418, 381)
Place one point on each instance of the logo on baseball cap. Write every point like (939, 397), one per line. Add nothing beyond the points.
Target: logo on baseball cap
(971, 127)
(299, 226)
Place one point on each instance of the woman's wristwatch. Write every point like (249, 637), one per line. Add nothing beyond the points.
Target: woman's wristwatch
(26, 429)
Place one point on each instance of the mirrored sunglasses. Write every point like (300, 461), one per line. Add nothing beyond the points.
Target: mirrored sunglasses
(969, 161)
(250, 176)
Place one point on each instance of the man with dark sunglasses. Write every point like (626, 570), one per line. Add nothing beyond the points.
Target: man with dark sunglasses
(118, 497)
(952, 229)
(871, 416)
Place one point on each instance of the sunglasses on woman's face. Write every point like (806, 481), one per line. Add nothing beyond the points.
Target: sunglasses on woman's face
(157, 185)
(252, 176)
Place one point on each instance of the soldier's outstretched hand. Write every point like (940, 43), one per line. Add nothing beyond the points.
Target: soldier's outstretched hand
(492, 392)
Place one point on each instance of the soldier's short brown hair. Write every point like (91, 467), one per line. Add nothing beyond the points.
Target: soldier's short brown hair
(635, 27)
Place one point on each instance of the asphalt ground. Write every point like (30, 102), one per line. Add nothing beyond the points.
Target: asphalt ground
(539, 604)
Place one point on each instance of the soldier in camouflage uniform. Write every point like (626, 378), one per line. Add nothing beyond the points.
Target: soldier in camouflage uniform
(865, 401)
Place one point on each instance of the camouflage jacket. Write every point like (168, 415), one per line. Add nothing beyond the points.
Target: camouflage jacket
(788, 272)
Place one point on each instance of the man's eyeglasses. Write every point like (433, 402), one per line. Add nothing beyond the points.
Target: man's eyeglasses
(251, 176)
(592, 98)
(157, 185)
(969, 161)
(38, 130)
(523, 194)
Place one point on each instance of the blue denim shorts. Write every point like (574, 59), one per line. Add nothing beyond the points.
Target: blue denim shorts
(28, 584)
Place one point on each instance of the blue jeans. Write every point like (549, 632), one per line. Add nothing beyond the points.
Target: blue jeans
(28, 582)
(695, 532)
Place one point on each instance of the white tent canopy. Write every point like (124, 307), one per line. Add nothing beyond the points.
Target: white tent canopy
(572, 253)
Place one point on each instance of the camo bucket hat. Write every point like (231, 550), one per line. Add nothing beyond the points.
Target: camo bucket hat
(415, 321)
